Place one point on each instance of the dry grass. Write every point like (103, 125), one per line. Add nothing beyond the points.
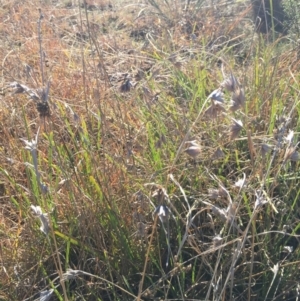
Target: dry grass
(164, 164)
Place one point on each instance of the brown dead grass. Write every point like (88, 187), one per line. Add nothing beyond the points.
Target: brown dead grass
(114, 67)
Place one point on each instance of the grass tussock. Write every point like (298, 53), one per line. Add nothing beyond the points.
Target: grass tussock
(149, 151)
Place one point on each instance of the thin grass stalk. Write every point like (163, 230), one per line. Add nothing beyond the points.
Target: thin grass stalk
(40, 45)
(146, 259)
(211, 284)
(238, 252)
(73, 274)
(83, 62)
(272, 19)
(93, 41)
(251, 260)
(275, 272)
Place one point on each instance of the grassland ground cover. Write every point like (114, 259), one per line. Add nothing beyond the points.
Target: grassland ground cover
(148, 151)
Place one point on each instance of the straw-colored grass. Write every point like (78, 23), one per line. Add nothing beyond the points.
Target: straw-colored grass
(149, 151)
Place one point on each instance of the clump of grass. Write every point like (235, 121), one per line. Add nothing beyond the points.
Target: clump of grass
(164, 166)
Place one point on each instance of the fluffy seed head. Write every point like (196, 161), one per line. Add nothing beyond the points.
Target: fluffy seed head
(193, 151)
(214, 110)
(291, 154)
(265, 149)
(218, 154)
(235, 129)
(230, 83)
(237, 99)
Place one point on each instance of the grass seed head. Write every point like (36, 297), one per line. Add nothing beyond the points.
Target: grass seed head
(235, 129)
(230, 83)
(30, 145)
(71, 274)
(217, 95)
(18, 88)
(42, 105)
(44, 188)
(161, 141)
(295, 156)
(163, 212)
(291, 154)
(237, 99)
(260, 200)
(240, 183)
(194, 149)
(126, 85)
(219, 212)
(160, 194)
(265, 149)
(45, 227)
(218, 154)
(45, 92)
(46, 295)
(217, 193)
(289, 137)
(215, 109)
(231, 211)
(141, 229)
(213, 194)
(217, 241)
(43, 108)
